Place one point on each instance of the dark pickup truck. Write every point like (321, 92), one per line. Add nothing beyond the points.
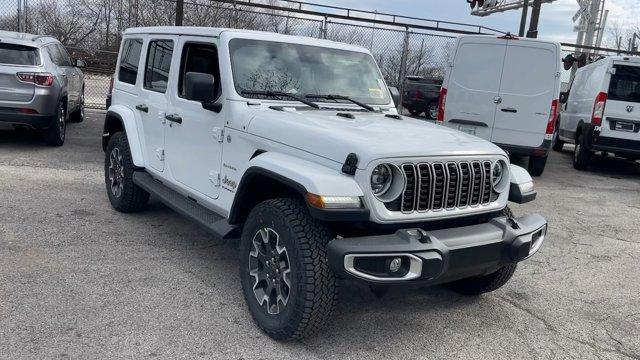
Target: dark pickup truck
(421, 96)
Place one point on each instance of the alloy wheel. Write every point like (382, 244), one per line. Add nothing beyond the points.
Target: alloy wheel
(270, 268)
(433, 111)
(61, 123)
(116, 172)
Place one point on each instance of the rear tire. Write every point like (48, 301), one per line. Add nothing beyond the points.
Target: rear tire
(56, 133)
(124, 195)
(280, 237)
(581, 154)
(537, 165)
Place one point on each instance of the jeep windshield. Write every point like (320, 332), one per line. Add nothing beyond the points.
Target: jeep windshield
(305, 71)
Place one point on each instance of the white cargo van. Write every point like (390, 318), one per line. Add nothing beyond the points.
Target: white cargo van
(505, 90)
(602, 110)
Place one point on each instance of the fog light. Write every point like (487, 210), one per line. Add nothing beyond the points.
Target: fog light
(395, 264)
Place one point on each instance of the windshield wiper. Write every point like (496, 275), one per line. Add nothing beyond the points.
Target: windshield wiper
(340, 97)
(282, 94)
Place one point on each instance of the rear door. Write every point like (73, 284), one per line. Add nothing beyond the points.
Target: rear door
(622, 110)
(474, 85)
(13, 60)
(530, 83)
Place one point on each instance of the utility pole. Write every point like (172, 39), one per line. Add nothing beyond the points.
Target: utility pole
(523, 19)
(535, 18)
(179, 12)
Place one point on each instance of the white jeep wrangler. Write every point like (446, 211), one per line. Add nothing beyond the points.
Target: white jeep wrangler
(294, 145)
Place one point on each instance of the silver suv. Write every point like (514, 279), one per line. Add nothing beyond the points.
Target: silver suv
(41, 87)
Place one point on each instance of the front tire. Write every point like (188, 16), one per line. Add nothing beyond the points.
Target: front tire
(415, 112)
(483, 284)
(556, 143)
(581, 154)
(537, 165)
(57, 131)
(286, 280)
(124, 195)
(78, 115)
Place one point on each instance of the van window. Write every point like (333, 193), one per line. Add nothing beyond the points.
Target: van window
(12, 54)
(156, 74)
(129, 61)
(625, 84)
(529, 70)
(202, 58)
(483, 72)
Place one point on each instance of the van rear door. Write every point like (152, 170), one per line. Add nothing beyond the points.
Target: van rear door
(622, 110)
(530, 83)
(14, 59)
(474, 85)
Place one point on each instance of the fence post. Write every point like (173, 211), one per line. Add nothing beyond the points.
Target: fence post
(324, 27)
(179, 12)
(403, 67)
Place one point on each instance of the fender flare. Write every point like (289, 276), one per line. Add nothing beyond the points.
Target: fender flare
(127, 120)
(521, 185)
(304, 177)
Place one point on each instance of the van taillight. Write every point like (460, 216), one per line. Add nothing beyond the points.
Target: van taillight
(598, 109)
(441, 104)
(551, 124)
(42, 79)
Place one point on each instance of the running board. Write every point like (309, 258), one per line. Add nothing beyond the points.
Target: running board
(185, 206)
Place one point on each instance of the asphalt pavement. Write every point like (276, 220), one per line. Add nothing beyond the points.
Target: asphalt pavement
(80, 280)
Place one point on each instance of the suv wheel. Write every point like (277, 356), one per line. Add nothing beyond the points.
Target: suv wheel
(286, 281)
(556, 143)
(537, 164)
(56, 132)
(124, 195)
(432, 111)
(78, 115)
(486, 283)
(581, 154)
(415, 112)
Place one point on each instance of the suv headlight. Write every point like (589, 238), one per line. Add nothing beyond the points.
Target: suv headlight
(381, 178)
(498, 179)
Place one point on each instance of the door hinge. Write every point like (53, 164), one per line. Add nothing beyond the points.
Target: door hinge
(214, 177)
(160, 154)
(218, 134)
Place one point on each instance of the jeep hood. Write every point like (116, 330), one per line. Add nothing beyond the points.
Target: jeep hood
(371, 136)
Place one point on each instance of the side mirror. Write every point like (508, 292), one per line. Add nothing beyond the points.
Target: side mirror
(79, 63)
(201, 87)
(395, 95)
(564, 96)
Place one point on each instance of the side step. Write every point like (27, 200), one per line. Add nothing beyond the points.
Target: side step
(187, 207)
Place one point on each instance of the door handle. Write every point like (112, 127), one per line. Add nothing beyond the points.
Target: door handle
(497, 100)
(142, 107)
(509, 110)
(173, 118)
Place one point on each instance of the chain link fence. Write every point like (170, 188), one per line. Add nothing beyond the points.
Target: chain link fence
(92, 30)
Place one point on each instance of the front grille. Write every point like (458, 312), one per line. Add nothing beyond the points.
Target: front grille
(444, 185)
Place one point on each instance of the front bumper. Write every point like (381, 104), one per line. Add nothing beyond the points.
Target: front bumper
(439, 256)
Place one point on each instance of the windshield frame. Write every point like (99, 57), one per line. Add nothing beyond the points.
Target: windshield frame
(388, 98)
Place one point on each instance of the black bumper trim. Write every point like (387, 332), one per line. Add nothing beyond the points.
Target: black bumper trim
(448, 254)
(540, 151)
(35, 121)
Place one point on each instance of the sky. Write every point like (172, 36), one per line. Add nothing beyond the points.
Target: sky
(555, 19)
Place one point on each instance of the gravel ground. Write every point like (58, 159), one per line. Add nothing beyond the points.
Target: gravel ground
(79, 280)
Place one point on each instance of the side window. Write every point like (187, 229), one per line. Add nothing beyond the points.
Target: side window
(64, 55)
(201, 58)
(54, 54)
(156, 75)
(129, 61)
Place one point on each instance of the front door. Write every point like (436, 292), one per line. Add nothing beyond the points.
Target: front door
(474, 86)
(194, 146)
(154, 98)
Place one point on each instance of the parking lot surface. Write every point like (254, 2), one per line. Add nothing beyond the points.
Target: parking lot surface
(80, 280)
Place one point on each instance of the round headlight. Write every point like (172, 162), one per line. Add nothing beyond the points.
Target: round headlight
(497, 171)
(381, 178)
